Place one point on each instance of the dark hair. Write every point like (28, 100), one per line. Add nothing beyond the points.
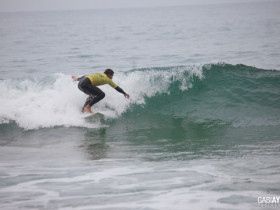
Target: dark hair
(109, 72)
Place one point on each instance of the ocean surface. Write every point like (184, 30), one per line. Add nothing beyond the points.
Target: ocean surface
(200, 131)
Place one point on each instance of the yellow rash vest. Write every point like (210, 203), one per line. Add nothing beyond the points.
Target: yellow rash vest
(97, 79)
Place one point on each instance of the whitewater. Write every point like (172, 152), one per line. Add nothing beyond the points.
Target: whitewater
(200, 131)
(56, 101)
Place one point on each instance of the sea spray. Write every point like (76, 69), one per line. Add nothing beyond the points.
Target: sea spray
(40, 102)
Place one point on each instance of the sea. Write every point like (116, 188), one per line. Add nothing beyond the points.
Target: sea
(201, 129)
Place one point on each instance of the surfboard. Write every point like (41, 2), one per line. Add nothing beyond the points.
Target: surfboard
(95, 117)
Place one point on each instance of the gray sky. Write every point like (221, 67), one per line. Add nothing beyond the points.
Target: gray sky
(38, 5)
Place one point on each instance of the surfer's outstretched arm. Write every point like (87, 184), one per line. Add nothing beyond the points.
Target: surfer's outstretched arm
(121, 91)
(75, 78)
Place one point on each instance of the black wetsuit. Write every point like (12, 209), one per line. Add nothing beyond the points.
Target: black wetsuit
(95, 93)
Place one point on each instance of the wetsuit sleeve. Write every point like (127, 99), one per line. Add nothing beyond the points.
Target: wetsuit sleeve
(120, 90)
(80, 78)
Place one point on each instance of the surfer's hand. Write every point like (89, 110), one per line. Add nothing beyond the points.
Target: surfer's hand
(75, 78)
(127, 96)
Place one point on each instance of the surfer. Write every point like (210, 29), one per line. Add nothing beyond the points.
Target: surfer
(88, 84)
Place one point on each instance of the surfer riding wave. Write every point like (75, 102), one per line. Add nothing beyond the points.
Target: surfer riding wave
(88, 84)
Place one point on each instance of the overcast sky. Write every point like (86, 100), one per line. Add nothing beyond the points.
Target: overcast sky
(38, 5)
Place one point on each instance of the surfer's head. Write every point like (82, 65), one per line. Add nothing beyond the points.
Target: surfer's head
(109, 73)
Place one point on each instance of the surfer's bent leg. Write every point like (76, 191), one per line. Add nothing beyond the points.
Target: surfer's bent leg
(99, 95)
(95, 94)
(89, 99)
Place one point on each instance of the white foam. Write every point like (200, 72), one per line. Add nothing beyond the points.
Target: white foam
(35, 103)
(56, 100)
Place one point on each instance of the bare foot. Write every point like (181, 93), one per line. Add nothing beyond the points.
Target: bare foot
(87, 109)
